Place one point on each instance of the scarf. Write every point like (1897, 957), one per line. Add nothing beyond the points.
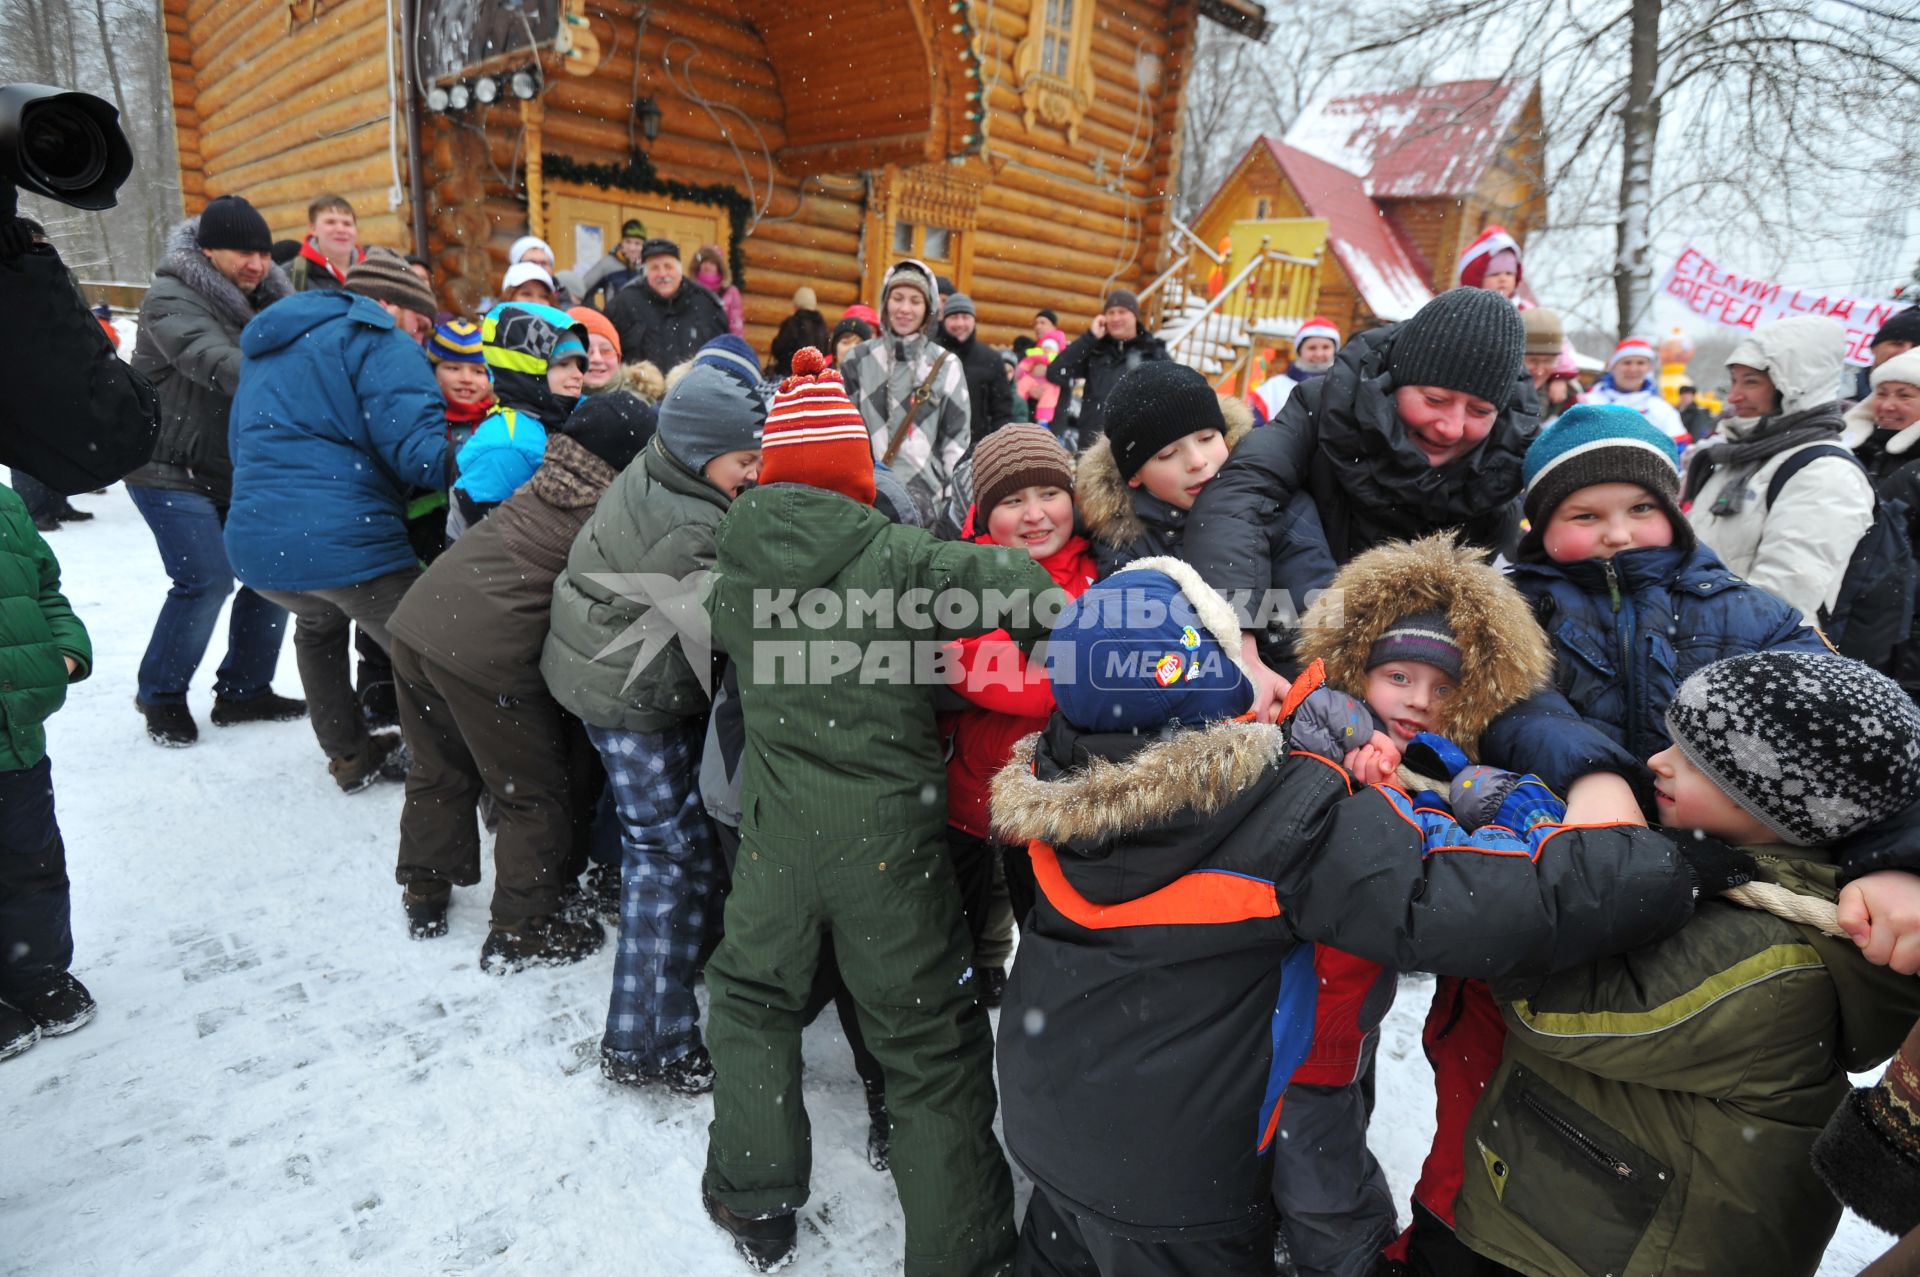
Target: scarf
(1742, 457)
(470, 415)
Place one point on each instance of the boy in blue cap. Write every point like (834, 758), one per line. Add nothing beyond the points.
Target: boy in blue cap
(538, 357)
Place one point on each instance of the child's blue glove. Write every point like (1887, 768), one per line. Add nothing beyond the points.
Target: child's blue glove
(1481, 795)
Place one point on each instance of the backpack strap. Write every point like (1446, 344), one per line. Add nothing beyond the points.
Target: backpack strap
(1799, 460)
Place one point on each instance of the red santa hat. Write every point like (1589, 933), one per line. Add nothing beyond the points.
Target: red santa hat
(1480, 254)
(1316, 326)
(814, 435)
(1633, 348)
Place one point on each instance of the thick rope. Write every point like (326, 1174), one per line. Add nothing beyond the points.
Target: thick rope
(1810, 911)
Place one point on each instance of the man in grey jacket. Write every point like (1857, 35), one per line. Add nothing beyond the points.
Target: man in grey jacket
(217, 275)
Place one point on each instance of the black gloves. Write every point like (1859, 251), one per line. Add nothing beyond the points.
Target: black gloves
(1715, 865)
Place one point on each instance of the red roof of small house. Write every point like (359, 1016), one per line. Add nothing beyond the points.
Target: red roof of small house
(1377, 256)
(1434, 140)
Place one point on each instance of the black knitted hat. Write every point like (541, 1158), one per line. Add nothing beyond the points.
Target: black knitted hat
(1904, 326)
(613, 426)
(228, 221)
(1154, 404)
(1466, 339)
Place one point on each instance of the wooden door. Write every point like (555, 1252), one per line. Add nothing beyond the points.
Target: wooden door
(583, 222)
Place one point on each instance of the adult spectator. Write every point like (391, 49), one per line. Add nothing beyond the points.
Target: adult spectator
(532, 250)
(1629, 381)
(1113, 343)
(45, 507)
(1882, 431)
(1314, 348)
(663, 316)
(806, 326)
(336, 418)
(1897, 336)
(614, 271)
(1693, 414)
(710, 272)
(331, 248)
(989, 393)
(1549, 358)
(215, 278)
(911, 393)
(528, 282)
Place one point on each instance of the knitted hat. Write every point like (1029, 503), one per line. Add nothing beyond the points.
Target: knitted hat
(1599, 443)
(849, 324)
(1317, 326)
(612, 427)
(521, 245)
(1015, 457)
(633, 228)
(228, 221)
(734, 356)
(1150, 645)
(1476, 262)
(1466, 339)
(1634, 348)
(1046, 313)
(456, 341)
(526, 273)
(1813, 745)
(957, 304)
(1904, 326)
(1544, 331)
(715, 408)
(916, 275)
(597, 325)
(659, 248)
(815, 435)
(1419, 636)
(385, 276)
(1903, 367)
(1124, 299)
(1152, 405)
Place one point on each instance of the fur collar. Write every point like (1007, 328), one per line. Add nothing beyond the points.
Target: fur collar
(1202, 769)
(1860, 428)
(1105, 501)
(570, 477)
(186, 263)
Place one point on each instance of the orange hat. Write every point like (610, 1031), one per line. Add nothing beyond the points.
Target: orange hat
(596, 323)
(814, 435)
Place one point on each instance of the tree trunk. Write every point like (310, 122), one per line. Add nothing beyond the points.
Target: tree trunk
(1640, 119)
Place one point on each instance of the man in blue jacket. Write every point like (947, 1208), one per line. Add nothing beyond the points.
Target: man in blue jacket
(337, 416)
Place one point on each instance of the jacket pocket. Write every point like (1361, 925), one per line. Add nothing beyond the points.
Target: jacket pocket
(1582, 643)
(1581, 1186)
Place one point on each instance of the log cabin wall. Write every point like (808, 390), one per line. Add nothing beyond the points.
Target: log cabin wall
(285, 100)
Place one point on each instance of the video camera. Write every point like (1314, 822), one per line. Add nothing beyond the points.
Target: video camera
(64, 145)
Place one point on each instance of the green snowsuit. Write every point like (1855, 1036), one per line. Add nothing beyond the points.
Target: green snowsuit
(844, 811)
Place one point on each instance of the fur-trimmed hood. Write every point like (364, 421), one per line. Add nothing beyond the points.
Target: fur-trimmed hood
(1201, 770)
(644, 380)
(1505, 657)
(185, 261)
(1101, 493)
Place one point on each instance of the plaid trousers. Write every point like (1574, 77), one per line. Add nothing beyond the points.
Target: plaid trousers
(671, 887)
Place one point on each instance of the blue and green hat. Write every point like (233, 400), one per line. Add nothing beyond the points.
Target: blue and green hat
(1599, 443)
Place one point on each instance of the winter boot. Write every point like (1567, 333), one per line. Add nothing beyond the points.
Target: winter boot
(993, 987)
(171, 726)
(60, 1007)
(879, 1129)
(46, 523)
(17, 1031)
(603, 883)
(691, 1074)
(383, 757)
(766, 1242)
(71, 513)
(261, 709)
(426, 914)
(379, 706)
(551, 941)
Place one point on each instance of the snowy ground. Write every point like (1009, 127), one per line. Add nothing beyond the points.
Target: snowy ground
(279, 1078)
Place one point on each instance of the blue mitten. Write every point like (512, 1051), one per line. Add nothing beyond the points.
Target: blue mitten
(1431, 754)
(1481, 795)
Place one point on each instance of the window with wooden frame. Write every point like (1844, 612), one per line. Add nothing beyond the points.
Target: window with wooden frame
(926, 212)
(1053, 65)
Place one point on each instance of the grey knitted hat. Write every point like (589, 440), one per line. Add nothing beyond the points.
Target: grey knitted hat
(1466, 339)
(709, 412)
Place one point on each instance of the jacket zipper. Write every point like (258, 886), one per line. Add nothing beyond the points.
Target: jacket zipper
(1624, 626)
(1580, 1139)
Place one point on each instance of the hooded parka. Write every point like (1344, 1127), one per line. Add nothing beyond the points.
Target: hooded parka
(1125, 523)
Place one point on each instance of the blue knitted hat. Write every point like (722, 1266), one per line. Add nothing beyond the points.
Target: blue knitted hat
(1599, 443)
(1151, 645)
(456, 341)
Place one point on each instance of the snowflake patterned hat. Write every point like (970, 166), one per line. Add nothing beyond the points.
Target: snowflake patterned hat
(1815, 746)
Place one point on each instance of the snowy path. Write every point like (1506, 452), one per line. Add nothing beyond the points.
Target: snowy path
(279, 1078)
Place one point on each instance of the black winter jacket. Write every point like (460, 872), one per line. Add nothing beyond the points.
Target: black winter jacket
(665, 330)
(1164, 992)
(1896, 477)
(989, 392)
(1102, 361)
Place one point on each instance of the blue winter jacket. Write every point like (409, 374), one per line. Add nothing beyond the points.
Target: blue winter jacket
(502, 454)
(337, 416)
(1626, 632)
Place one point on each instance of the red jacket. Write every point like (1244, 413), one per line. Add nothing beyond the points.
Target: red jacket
(1007, 703)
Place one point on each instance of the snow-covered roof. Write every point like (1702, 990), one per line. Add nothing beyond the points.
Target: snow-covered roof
(1376, 255)
(1429, 141)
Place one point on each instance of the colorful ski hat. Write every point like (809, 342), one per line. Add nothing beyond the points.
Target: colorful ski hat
(1634, 348)
(457, 341)
(521, 340)
(814, 435)
(1474, 262)
(1317, 326)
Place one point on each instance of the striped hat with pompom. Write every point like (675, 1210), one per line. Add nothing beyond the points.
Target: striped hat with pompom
(814, 435)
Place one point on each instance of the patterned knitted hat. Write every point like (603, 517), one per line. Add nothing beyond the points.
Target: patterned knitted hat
(1634, 348)
(711, 410)
(457, 341)
(1425, 637)
(815, 435)
(1815, 746)
(1015, 457)
(1466, 339)
(385, 276)
(1600, 443)
(1152, 405)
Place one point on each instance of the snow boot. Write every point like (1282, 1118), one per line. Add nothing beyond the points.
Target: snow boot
(993, 987)
(691, 1074)
(17, 1031)
(62, 1006)
(603, 884)
(426, 915)
(169, 726)
(550, 941)
(879, 1129)
(261, 709)
(766, 1242)
(71, 513)
(383, 757)
(47, 523)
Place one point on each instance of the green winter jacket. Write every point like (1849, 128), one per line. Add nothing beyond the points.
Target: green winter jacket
(841, 741)
(37, 629)
(653, 529)
(1655, 1112)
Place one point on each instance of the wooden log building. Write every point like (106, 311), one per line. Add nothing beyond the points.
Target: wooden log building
(1024, 148)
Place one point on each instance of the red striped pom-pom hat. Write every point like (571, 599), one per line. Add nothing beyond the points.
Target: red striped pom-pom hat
(814, 435)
